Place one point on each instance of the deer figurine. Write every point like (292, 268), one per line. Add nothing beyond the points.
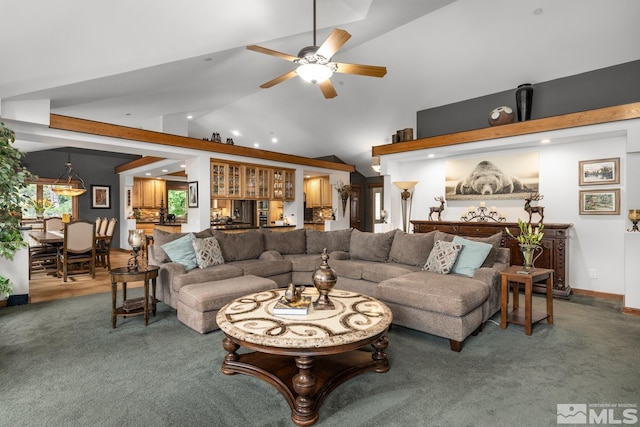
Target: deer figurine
(439, 209)
(534, 209)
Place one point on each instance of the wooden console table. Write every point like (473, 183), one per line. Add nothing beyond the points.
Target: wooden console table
(555, 243)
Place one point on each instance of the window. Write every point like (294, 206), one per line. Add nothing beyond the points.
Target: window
(177, 202)
(41, 194)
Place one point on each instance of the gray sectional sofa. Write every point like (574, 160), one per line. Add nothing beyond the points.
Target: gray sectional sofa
(387, 266)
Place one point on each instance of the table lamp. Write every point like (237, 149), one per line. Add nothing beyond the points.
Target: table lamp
(406, 187)
(136, 239)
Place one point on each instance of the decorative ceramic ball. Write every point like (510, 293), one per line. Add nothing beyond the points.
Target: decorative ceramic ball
(501, 116)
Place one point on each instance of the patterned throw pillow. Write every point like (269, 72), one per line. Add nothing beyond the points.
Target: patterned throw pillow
(442, 257)
(208, 252)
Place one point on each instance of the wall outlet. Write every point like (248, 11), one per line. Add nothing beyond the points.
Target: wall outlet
(593, 273)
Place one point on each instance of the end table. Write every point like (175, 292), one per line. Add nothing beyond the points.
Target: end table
(527, 318)
(124, 275)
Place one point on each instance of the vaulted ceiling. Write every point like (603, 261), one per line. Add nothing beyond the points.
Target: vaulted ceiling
(135, 63)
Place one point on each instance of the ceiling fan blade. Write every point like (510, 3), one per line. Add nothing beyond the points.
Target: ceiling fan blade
(275, 53)
(280, 79)
(327, 89)
(361, 70)
(335, 41)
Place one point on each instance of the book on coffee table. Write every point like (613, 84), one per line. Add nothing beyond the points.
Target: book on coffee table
(285, 307)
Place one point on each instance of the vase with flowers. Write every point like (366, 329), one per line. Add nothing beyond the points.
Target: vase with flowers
(39, 206)
(344, 190)
(529, 240)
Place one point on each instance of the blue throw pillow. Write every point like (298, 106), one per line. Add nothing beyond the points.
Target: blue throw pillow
(181, 251)
(471, 256)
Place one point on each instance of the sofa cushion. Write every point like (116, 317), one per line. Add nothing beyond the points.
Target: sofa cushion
(411, 249)
(210, 296)
(261, 268)
(333, 240)
(240, 246)
(305, 262)
(347, 268)
(290, 242)
(378, 272)
(453, 295)
(181, 251)
(471, 256)
(208, 252)
(495, 240)
(197, 275)
(442, 257)
(369, 246)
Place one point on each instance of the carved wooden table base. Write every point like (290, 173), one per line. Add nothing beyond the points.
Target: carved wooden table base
(305, 375)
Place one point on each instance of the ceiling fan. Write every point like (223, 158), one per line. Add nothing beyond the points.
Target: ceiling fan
(315, 65)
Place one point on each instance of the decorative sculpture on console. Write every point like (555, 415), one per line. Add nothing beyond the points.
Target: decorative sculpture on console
(534, 209)
(437, 209)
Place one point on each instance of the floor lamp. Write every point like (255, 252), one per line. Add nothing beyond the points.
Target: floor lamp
(406, 187)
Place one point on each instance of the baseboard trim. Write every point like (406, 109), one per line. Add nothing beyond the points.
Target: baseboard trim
(631, 311)
(597, 294)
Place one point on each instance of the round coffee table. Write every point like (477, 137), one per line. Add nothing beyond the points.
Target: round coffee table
(305, 357)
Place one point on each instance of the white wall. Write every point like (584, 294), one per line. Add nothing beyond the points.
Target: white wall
(596, 242)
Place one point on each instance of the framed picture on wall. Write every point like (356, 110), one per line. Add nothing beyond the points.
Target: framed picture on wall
(600, 202)
(600, 171)
(192, 201)
(100, 197)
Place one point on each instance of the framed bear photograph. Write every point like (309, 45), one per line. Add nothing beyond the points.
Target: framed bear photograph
(492, 177)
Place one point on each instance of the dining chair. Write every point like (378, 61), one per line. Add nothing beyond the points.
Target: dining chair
(103, 227)
(78, 250)
(42, 257)
(103, 246)
(98, 224)
(53, 223)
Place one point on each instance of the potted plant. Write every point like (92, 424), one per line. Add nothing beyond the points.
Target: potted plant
(14, 178)
(529, 240)
(39, 206)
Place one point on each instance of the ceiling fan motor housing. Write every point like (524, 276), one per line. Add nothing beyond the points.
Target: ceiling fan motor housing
(307, 55)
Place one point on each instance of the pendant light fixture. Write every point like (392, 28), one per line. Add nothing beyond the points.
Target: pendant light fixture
(67, 188)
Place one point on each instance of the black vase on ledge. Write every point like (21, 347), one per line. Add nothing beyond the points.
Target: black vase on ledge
(524, 99)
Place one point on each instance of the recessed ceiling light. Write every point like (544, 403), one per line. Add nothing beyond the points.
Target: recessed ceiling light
(165, 170)
(147, 173)
(255, 144)
(183, 166)
(545, 141)
(431, 156)
(235, 133)
(189, 117)
(274, 140)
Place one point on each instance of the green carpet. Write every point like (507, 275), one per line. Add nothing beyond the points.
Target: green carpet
(61, 364)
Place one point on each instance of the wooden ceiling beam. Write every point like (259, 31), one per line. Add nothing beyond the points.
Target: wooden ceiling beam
(564, 121)
(116, 131)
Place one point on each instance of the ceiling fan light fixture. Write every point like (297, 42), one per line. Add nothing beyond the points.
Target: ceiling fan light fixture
(314, 73)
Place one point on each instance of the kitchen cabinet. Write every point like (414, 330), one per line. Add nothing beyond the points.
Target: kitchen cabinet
(318, 192)
(253, 182)
(149, 193)
(226, 179)
(256, 182)
(283, 184)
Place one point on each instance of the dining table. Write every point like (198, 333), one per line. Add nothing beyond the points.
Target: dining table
(47, 237)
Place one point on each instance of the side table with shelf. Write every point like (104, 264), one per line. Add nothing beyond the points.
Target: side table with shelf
(124, 275)
(513, 275)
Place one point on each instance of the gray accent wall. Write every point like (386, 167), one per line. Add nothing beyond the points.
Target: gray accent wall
(606, 87)
(94, 167)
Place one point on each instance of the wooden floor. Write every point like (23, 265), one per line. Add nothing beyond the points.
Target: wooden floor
(43, 287)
